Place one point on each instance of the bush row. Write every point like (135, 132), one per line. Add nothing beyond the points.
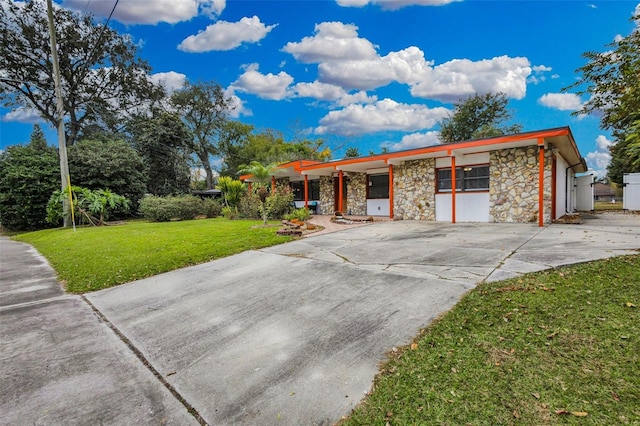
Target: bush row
(185, 207)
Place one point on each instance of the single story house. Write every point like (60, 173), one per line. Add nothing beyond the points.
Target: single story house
(525, 177)
(603, 192)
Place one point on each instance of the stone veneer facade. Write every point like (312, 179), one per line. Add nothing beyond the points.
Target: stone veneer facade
(513, 185)
(327, 198)
(414, 190)
(513, 188)
(357, 194)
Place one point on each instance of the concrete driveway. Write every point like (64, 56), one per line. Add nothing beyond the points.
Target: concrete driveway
(294, 334)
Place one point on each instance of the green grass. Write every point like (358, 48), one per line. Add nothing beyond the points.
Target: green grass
(604, 205)
(94, 258)
(557, 347)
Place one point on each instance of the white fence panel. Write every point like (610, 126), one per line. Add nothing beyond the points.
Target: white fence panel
(584, 193)
(631, 191)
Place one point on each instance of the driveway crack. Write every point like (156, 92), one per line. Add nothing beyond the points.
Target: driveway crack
(190, 408)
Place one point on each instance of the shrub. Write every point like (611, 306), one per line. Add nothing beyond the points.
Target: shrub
(212, 208)
(163, 209)
(28, 176)
(299, 214)
(279, 202)
(89, 206)
(249, 206)
(112, 165)
(230, 213)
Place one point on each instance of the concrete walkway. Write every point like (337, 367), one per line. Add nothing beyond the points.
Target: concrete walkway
(291, 334)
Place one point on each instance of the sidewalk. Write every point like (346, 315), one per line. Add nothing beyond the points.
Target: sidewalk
(60, 363)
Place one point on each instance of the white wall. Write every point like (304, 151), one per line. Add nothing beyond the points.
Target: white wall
(561, 187)
(378, 207)
(463, 160)
(470, 207)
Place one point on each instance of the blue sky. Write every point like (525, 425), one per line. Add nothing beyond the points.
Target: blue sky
(370, 73)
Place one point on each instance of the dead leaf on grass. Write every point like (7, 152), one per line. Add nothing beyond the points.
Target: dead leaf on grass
(536, 395)
(414, 346)
(579, 413)
(630, 305)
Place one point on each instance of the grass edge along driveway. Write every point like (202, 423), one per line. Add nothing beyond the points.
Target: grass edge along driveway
(94, 258)
(554, 347)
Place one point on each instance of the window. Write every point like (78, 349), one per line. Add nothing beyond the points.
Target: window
(298, 190)
(378, 186)
(468, 178)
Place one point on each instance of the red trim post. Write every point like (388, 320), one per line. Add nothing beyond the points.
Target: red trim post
(541, 182)
(249, 187)
(453, 189)
(306, 191)
(340, 175)
(390, 191)
(273, 184)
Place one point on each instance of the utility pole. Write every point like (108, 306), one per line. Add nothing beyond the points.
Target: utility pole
(62, 142)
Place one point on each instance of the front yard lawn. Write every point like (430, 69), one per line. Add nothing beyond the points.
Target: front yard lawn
(93, 258)
(555, 347)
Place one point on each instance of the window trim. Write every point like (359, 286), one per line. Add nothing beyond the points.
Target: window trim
(310, 189)
(369, 186)
(460, 172)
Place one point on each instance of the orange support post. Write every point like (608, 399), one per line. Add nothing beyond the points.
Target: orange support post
(306, 191)
(390, 191)
(554, 165)
(541, 183)
(340, 183)
(273, 184)
(453, 189)
(249, 187)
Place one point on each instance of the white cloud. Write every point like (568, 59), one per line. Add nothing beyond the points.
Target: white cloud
(266, 86)
(461, 77)
(237, 106)
(393, 4)
(332, 41)
(150, 11)
(599, 160)
(351, 62)
(561, 101)
(23, 115)
(171, 81)
(603, 144)
(329, 92)
(414, 140)
(380, 116)
(449, 81)
(225, 35)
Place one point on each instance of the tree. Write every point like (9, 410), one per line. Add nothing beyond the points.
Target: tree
(478, 116)
(611, 81)
(352, 152)
(28, 176)
(112, 165)
(38, 141)
(162, 140)
(261, 174)
(102, 80)
(234, 137)
(269, 146)
(204, 109)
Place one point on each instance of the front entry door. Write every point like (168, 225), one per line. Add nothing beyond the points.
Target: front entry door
(336, 191)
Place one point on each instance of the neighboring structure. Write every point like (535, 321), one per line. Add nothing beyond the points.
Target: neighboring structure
(603, 192)
(526, 177)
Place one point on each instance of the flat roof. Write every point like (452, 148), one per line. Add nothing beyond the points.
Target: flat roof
(560, 139)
